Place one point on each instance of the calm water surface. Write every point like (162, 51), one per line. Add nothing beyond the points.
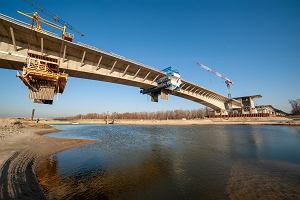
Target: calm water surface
(175, 162)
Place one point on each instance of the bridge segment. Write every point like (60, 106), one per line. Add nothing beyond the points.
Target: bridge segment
(82, 61)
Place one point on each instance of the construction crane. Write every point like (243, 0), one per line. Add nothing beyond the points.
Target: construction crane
(228, 82)
(63, 24)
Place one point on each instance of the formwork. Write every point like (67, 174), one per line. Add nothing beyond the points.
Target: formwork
(42, 77)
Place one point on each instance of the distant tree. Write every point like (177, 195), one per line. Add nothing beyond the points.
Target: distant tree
(159, 115)
(295, 104)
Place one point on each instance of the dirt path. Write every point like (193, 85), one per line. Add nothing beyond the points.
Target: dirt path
(21, 148)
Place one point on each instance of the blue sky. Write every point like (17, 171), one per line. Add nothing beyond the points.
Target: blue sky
(255, 43)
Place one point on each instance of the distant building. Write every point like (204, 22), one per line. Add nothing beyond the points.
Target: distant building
(270, 110)
(248, 104)
(249, 108)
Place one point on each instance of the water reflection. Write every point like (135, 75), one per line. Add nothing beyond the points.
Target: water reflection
(105, 183)
(175, 162)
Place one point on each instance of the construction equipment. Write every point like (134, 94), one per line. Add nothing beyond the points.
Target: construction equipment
(170, 82)
(37, 6)
(42, 77)
(41, 73)
(37, 20)
(228, 82)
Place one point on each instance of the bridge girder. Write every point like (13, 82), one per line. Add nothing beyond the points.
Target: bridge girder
(86, 62)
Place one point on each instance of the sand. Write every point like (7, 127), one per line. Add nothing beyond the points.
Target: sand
(22, 146)
(207, 121)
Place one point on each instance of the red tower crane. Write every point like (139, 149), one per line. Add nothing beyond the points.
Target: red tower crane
(228, 82)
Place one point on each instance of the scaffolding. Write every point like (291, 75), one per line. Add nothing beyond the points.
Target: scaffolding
(42, 77)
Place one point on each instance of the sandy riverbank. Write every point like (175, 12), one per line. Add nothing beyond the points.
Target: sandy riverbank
(23, 145)
(209, 121)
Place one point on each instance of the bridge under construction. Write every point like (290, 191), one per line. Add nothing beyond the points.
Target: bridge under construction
(44, 54)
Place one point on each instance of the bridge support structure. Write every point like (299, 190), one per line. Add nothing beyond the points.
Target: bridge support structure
(18, 39)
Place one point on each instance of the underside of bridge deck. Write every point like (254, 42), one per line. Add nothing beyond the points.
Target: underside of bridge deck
(83, 61)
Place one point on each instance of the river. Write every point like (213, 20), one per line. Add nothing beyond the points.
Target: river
(175, 162)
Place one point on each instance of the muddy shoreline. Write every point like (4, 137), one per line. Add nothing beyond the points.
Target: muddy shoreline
(20, 155)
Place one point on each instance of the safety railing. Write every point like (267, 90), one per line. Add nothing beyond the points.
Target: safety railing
(24, 24)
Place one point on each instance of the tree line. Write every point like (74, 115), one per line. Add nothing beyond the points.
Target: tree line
(162, 115)
(159, 115)
(295, 104)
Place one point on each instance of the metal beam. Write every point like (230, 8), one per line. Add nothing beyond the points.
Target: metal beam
(64, 54)
(136, 73)
(222, 99)
(203, 92)
(125, 70)
(13, 38)
(187, 87)
(213, 96)
(112, 68)
(192, 89)
(146, 76)
(209, 95)
(206, 94)
(155, 78)
(98, 64)
(42, 45)
(82, 59)
(219, 98)
(182, 85)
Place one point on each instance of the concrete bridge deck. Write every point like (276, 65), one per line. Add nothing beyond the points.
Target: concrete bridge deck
(82, 61)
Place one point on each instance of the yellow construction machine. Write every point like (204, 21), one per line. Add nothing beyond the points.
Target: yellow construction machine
(41, 73)
(37, 20)
(42, 77)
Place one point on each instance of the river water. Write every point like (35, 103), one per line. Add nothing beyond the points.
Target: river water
(175, 162)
